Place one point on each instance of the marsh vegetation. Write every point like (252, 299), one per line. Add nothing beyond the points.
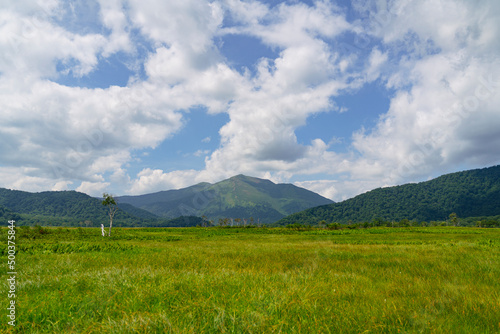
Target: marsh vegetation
(257, 280)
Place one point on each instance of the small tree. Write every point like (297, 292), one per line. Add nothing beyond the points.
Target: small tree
(454, 219)
(334, 226)
(110, 202)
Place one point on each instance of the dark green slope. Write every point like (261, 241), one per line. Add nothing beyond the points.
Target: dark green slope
(168, 203)
(59, 207)
(137, 212)
(6, 214)
(238, 197)
(471, 193)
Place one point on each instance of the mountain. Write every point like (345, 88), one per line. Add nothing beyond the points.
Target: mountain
(473, 193)
(137, 212)
(63, 208)
(238, 197)
(470, 193)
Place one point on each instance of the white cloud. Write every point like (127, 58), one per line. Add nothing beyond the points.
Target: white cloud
(71, 133)
(95, 189)
(114, 17)
(200, 153)
(149, 180)
(31, 48)
(62, 185)
(246, 12)
(191, 23)
(24, 178)
(326, 188)
(296, 24)
(376, 61)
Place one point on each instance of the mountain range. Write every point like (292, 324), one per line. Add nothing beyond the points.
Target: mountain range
(473, 193)
(238, 197)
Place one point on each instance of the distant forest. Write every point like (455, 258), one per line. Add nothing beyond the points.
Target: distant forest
(71, 208)
(468, 194)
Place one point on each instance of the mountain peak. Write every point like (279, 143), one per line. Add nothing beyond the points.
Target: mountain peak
(240, 196)
(247, 178)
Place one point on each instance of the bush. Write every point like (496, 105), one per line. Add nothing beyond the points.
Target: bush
(334, 226)
(298, 227)
(41, 230)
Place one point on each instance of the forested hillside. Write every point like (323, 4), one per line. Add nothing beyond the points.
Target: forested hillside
(71, 208)
(6, 214)
(63, 208)
(471, 193)
(241, 197)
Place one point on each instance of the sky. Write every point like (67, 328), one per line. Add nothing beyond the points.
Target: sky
(339, 97)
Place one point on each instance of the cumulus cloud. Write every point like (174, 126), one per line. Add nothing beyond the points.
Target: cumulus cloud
(442, 97)
(200, 153)
(151, 180)
(336, 189)
(32, 48)
(95, 189)
(71, 133)
(115, 18)
(298, 24)
(191, 23)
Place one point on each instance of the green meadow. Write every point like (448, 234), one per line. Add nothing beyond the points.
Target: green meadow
(255, 280)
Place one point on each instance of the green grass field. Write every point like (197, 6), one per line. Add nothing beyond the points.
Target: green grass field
(255, 280)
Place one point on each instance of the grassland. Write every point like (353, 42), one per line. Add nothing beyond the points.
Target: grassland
(256, 280)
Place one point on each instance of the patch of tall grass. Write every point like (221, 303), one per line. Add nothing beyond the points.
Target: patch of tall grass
(213, 280)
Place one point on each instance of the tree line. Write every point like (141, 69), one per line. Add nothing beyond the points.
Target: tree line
(469, 194)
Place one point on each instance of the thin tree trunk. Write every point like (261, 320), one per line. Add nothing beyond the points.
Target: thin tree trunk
(110, 224)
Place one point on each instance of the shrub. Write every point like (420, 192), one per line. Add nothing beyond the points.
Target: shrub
(334, 226)
(298, 227)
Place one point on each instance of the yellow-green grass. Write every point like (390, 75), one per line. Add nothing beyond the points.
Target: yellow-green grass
(214, 280)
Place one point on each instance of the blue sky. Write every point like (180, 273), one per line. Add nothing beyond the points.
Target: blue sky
(339, 97)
